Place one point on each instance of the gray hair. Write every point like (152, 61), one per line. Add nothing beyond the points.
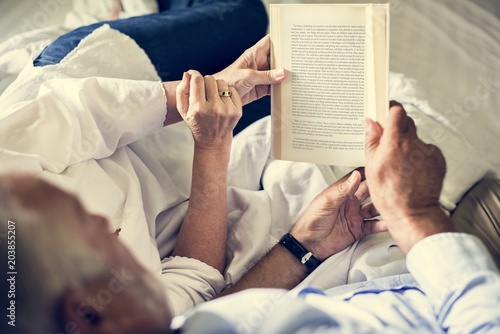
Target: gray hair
(50, 259)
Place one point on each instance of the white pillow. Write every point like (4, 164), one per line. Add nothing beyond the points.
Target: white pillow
(458, 133)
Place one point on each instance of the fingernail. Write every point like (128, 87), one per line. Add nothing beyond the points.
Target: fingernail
(352, 178)
(366, 124)
(184, 76)
(280, 73)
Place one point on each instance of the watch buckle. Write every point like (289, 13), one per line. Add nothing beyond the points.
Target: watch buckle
(306, 258)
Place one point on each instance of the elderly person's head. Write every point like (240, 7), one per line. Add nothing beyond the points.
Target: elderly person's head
(73, 274)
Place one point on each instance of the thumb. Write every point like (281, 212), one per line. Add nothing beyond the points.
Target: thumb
(270, 77)
(182, 94)
(373, 133)
(345, 187)
(352, 183)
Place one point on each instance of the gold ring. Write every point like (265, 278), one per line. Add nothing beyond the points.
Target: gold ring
(224, 93)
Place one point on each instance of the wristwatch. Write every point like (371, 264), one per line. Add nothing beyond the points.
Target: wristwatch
(300, 252)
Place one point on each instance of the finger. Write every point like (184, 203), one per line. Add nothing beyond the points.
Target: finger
(393, 103)
(211, 88)
(398, 120)
(182, 94)
(263, 46)
(338, 192)
(349, 184)
(411, 126)
(235, 98)
(270, 77)
(374, 226)
(223, 86)
(264, 43)
(373, 133)
(369, 211)
(197, 88)
(399, 124)
(362, 192)
(361, 171)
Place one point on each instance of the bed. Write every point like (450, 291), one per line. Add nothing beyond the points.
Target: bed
(445, 70)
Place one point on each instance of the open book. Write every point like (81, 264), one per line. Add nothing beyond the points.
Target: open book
(336, 56)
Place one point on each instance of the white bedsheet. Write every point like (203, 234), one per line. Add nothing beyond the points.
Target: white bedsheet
(449, 53)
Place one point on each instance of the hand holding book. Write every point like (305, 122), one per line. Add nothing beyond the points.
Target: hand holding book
(337, 56)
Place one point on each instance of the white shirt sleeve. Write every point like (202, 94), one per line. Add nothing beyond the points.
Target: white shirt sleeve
(460, 280)
(189, 282)
(73, 120)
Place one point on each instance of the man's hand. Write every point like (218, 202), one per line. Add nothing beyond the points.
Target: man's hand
(336, 218)
(405, 178)
(333, 221)
(250, 74)
(210, 117)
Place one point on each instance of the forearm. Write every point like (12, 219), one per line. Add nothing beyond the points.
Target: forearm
(277, 269)
(204, 231)
(410, 229)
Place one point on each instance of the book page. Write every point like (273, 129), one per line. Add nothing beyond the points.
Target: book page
(330, 87)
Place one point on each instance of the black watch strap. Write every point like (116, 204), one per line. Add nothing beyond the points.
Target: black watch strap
(300, 252)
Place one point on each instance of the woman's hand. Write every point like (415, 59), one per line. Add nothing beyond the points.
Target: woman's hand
(250, 74)
(210, 117)
(336, 218)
